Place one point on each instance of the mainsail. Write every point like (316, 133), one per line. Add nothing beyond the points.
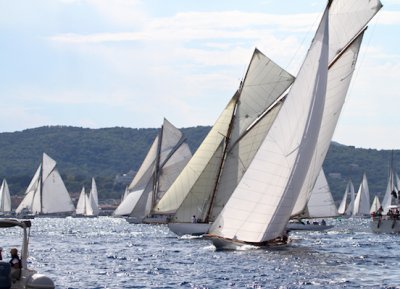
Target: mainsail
(166, 158)
(209, 179)
(347, 20)
(46, 193)
(5, 198)
(362, 201)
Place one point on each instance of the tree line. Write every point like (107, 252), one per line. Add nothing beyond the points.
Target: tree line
(113, 155)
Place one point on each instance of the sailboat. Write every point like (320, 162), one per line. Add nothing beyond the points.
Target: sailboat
(46, 194)
(344, 207)
(386, 218)
(320, 205)
(165, 159)
(362, 201)
(5, 199)
(291, 154)
(391, 194)
(94, 198)
(210, 177)
(87, 205)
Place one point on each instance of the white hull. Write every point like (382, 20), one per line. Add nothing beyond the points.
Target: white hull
(307, 227)
(195, 229)
(384, 225)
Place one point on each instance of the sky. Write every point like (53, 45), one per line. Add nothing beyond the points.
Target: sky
(101, 63)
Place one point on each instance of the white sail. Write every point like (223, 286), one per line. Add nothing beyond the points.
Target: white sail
(350, 207)
(5, 198)
(47, 194)
(81, 205)
(321, 203)
(362, 201)
(346, 20)
(260, 206)
(139, 183)
(392, 188)
(376, 204)
(93, 199)
(33, 188)
(166, 158)
(199, 175)
(127, 205)
(264, 82)
(343, 204)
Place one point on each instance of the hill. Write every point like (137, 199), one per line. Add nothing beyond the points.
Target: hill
(112, 155)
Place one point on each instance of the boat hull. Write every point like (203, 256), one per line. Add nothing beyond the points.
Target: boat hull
(156, 219)
(385, 225)
(195, 229)
(230, 244)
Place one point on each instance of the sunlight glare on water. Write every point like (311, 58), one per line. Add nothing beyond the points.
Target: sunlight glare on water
(108, 252)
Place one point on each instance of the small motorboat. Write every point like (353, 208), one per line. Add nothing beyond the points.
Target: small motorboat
(26, 278)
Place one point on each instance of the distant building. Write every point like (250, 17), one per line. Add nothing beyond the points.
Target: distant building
(125, 179)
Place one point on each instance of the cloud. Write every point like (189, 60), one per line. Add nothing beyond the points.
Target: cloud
(201, 25)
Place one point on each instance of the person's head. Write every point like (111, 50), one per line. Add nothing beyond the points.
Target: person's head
(14, 251)
(1, 249)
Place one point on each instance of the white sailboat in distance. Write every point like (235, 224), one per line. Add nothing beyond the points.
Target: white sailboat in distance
(344, 207)
(46, 194)
(166, 158)
(5, 199)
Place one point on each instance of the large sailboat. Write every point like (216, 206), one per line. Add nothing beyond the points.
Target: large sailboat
(46, 194)
(166, 158)
(5, 199)
(280, 177)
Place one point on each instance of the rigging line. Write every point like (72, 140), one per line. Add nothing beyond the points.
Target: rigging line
(362, 56)
(306, 36)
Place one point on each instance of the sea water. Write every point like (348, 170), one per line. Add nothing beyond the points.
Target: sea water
(108, 252)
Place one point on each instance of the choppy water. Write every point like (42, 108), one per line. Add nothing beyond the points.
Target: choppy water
(110, 253)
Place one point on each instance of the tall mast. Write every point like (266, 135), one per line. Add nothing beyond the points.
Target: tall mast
(221, 165)
(157, 166)
(41, 186)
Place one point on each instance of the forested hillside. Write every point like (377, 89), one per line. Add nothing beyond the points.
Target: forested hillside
(109, 153)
